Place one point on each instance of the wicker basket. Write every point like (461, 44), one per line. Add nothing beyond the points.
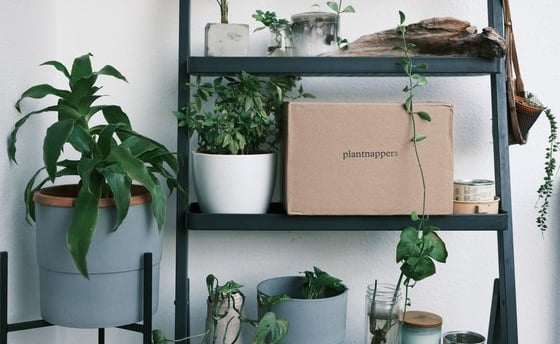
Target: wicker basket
(522, 119)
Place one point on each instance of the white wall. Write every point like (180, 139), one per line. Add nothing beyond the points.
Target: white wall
(139, 37)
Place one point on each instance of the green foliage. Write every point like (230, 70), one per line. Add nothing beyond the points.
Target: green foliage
(270, 330)
(269, 20)
(545, 190)
(337, 8)
(224, 10)
(245, 117)
(319, 284)
(419, 246)
(112, 155)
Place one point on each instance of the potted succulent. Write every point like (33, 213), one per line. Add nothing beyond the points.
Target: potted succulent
(94, 233)
(314, 305)
(225, 38)
(235, 164)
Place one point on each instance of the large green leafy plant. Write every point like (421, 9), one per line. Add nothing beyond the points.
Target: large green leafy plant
(111, 155)
(238, 114)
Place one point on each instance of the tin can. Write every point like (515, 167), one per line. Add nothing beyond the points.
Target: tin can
(463, 337)
(473, 190)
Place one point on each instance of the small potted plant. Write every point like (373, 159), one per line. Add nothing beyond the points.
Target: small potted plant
(225, 38)
(224, 312)
(91, 235)
(234, 166)
(314, 305)
(280, 43)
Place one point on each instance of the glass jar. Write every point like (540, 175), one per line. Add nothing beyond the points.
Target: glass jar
(314, 33)
(280, 43)
(420, 328)
(383, 314)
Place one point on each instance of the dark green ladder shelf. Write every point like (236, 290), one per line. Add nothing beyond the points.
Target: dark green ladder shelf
(503, 322)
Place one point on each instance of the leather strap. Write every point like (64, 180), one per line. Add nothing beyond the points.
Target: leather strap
(514, 82)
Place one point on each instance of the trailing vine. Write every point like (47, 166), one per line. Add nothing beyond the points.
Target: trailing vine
(420, 245)
(545, 189)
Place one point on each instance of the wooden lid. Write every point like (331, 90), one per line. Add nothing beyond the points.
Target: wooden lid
(420, 319)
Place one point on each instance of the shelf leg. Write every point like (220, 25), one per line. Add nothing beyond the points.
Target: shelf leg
(101, 336)
(3, 297)
(148, 291)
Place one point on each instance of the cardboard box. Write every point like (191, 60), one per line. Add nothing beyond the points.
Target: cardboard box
(358, 159)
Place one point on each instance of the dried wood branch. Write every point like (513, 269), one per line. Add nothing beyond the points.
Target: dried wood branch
(435, 36)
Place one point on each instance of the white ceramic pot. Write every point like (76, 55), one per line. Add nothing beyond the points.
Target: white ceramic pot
(234, 184)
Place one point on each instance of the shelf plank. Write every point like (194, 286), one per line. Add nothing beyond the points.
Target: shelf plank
(336, 66)
(277, 220)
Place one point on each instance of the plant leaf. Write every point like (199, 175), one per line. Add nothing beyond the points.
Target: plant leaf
(437, 247)
(111, 71)
(402, 17)
(138, 171)
(40, 91)
(424, 115)
(407, 246)
(83, 225)
(333, 5)
(119, 183)
(419, 137)
(81, 68)
(59, 66)
(348, 9)
(57, 135)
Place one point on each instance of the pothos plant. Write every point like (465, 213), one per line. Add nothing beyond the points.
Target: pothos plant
(319, 284)
(419, 246)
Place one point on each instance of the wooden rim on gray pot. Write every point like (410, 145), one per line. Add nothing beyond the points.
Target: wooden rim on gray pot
(65, 196)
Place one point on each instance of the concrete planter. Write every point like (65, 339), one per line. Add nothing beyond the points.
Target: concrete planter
(309, 321)
(226, 39)
(234, 184)
(113, 294)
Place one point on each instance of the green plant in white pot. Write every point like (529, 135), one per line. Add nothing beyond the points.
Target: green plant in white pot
(120, 176)
(237, 119)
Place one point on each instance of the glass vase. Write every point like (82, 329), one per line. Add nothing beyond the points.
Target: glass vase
(280, 43)
(383, 314)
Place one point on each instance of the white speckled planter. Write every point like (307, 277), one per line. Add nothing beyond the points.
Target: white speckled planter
(226, 39)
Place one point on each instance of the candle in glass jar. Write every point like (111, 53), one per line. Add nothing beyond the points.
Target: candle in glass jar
(421, 328)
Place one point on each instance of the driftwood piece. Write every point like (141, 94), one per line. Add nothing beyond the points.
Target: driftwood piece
(435, 36)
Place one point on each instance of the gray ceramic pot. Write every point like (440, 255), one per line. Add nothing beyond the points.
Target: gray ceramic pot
(112, 295)
(309, 321)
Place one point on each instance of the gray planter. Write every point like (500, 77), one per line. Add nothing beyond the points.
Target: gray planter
(309, 321)
(112, 295)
